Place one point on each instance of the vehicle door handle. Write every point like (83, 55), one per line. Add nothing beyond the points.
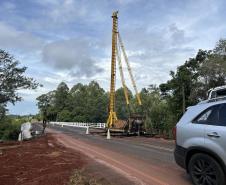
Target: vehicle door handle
(213, 134)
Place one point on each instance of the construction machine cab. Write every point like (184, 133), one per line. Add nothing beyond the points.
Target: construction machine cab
(135, 124)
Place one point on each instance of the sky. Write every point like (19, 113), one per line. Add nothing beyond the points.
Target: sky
(70, 40)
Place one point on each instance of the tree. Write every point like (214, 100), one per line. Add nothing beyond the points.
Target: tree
(61, 97)
(82, 103)
(155, 109)
(64, 115)
(12, 78)
(122, 109)
(97, 103)
(46, 104)
(89, 102)
(2, 111)
(191, 81)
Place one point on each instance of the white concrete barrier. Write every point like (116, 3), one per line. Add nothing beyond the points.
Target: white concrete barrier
(25, 131)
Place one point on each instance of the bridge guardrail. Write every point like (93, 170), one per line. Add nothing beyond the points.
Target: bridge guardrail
(79, 124)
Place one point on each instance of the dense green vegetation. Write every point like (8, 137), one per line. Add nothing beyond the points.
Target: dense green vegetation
(191, 81)
(10, 127)
(162, 106)
(80, 103)
(12, 78)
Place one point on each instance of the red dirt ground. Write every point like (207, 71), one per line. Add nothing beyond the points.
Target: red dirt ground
(40, 161)
(45, 161)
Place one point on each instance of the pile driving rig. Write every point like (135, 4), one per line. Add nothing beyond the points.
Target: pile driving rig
(135, 123)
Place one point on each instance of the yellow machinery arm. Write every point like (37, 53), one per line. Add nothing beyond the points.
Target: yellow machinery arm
(129, 69)
(112, 114)
(122, 77)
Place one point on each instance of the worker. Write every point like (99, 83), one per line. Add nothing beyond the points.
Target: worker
(44, 121)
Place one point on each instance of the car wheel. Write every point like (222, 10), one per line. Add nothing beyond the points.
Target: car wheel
(205, 170)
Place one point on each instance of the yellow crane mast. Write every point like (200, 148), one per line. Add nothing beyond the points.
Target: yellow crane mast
(117, 46)
(112, 114)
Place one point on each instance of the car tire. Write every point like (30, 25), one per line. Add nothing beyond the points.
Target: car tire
(205, 170)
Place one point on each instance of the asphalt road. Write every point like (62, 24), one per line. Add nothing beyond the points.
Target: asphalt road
(149, 160)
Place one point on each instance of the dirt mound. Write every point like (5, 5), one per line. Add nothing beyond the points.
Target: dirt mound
(39, 161)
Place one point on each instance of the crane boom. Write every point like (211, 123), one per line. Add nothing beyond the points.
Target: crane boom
(129, 69)
(112, 114)
(122, 77)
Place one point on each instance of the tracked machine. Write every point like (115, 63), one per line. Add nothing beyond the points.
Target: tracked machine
(135, 123)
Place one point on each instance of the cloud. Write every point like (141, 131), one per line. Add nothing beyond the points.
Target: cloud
(11, 38)
(177, 35)
(71, 11)
(157, 51)
(66, 11)
(126, 2)
(70, 40)
(73, 55)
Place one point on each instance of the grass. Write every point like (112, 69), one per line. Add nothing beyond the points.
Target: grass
(78, 178)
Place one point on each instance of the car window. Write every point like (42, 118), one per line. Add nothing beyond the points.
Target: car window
(204, 116)
(221, 92)
(222, 115)
(210, 116)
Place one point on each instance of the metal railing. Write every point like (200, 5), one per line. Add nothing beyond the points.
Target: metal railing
(80, 124)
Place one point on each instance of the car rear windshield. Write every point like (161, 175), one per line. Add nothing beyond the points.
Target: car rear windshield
(214, 115)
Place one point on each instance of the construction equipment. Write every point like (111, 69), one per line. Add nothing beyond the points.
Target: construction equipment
(112, 114)
(135, 122)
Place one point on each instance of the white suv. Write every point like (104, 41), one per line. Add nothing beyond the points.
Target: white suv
(201, 143)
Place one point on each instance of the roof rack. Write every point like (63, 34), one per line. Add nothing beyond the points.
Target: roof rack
(213, 100)
(220, 98)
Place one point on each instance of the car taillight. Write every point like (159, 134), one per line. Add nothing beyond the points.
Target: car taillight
(174, 131)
